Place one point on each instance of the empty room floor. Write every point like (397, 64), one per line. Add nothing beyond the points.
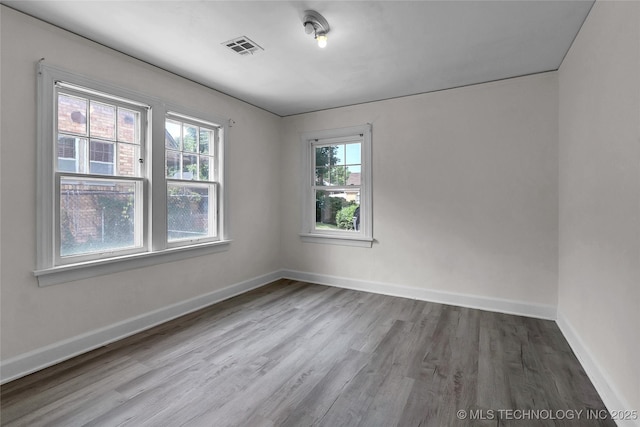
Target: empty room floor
(299, 354)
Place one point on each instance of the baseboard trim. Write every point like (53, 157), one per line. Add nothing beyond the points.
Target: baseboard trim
(612, 399)
(44, 357)
(500, 305)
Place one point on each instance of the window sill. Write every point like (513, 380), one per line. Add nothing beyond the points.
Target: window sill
(361, 242)
(85, 270)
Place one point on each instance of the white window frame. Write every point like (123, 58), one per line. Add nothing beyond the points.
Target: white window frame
(155, 248)
(141, 237)
(217, 184)
(309, 140)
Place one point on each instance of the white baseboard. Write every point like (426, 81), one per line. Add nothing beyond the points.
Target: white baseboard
(500, 305)
(41, 358)
(604, 386)
(612, 399)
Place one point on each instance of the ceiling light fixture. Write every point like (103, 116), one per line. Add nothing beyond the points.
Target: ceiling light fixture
(315, 23)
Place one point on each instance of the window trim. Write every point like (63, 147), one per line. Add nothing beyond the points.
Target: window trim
(141, 239)
(362, 238)
(187, 115)
(212, 220)
(157, 251)
(112, 97)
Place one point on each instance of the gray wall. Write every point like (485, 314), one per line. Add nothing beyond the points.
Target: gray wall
(599, 162)
(465, 192)
(468, 184)
(35, 317)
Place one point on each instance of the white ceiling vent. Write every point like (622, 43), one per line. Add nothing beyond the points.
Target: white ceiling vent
(242, 45)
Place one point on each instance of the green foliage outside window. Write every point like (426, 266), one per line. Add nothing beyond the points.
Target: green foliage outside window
(344, 218)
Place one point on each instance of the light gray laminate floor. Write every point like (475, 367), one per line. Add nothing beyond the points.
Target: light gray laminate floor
(297, 354)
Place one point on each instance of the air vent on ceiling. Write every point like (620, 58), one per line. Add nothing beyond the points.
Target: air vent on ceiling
(242, 46)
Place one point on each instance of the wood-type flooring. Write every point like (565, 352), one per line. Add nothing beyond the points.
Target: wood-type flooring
(299, 354)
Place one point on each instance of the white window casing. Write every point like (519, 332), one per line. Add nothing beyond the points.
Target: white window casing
(313, 232)
(148, 184)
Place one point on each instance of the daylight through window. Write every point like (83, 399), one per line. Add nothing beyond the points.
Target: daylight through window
(99, 180)
(338, 171)
(337, 201)
(192, 175)
(125, 180)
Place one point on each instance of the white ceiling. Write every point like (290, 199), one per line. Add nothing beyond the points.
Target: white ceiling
(377, 49)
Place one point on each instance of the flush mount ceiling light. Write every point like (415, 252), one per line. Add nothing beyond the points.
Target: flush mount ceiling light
(315, 23)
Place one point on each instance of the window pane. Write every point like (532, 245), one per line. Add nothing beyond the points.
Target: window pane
(189, 166)
(101, 168)
(67, 165)
(67, 147)
(322, 176)
(101, 151)
(338, 210)
(128, 126)
(190, 135)
(67, 154)
(72, 114)
(173, 164)
(354, 154)
(206, 136)
(128, 160)
(323, 159)
(188, 210)
(338, 175)
(206, 174)
(194, 158)
(323, 156)
(101, 158)
(97, 216)
(102, 120)
(353, 175)
(337, 154)
(172, 135)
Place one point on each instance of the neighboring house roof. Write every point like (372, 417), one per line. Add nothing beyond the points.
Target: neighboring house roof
(354, 178)
(170, 142)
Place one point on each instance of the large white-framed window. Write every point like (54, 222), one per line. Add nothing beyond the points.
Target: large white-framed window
(99, 184)
(108, 195)
(337, 191)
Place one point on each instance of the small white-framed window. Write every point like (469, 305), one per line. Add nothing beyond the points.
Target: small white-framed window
(193, 153)
(337, 191)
